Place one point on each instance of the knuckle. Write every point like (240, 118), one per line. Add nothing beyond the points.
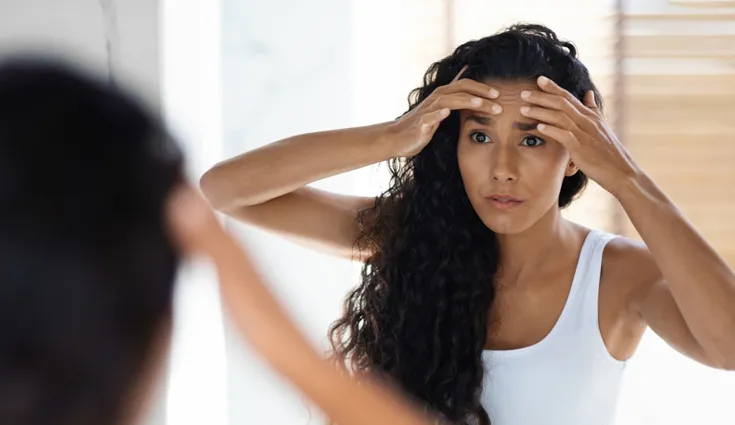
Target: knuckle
(560, 117)
(465, 83)
(568, 120)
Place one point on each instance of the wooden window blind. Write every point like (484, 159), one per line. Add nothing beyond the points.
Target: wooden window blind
(680, 109)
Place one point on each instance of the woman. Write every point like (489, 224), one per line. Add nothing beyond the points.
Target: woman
(477, 297)
(94, 216)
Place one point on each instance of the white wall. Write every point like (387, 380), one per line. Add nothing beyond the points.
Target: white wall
(78, 30)
(191, 98)
(286, 71)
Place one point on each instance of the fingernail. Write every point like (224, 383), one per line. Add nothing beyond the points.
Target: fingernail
(497, 109)
(525, 109)
(444, 112)
(476, 101)
(525, 94)
(541, 127)
(542, 80)
(592, 95)
(494, 93)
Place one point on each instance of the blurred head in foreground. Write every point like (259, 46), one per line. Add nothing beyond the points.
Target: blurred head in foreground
(86, 264)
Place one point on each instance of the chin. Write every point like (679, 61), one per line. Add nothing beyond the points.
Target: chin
(506, 225)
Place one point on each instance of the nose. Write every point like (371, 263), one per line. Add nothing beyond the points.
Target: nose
(504, 164)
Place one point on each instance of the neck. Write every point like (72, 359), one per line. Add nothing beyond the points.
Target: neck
(528, 253)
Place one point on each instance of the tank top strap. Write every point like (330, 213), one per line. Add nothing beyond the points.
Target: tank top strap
(587, 280)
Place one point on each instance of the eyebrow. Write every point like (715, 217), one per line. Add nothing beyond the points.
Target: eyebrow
(486, 121)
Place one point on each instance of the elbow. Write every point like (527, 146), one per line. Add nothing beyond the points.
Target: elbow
(724, 359)
(225, 192)
(729, 364)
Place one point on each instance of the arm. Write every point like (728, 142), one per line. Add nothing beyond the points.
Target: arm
(648, 297)
(262, 322)
(279, 168)
(692, 304)
(266, 187)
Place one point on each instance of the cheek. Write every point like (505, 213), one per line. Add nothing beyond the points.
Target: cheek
(473, 165)
(544, 167)
(546, 171)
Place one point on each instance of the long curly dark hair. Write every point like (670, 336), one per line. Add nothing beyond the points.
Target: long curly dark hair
(420, 314)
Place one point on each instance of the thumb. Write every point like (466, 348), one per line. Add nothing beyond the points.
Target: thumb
(591, 102)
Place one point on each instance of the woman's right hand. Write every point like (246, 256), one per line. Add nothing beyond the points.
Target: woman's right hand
(414, 130)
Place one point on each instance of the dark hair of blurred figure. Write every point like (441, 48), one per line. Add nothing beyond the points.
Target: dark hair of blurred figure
(84, 177)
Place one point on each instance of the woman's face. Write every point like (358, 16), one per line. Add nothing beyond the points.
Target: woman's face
(511, 174)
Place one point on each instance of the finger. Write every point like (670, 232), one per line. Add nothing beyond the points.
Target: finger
(565, 137)
(549, 116)
(589, 99)
(559, 103)
(459, 74)
(434, 118)
(460, 101)
(591, 103)
(550, 101)
(426, 132)
(467, 85)
(549, 86)
(429, 123)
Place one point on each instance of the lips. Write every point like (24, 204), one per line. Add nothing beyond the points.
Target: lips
(504, 202)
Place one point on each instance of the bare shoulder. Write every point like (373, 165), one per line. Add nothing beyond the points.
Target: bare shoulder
(629, 265)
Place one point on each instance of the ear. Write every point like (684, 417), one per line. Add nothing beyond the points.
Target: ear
(571, 169)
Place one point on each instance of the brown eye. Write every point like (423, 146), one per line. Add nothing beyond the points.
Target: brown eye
(532, 142)
(478, 137)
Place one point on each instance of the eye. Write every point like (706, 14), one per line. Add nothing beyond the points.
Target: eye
(532, 142)
(478, 137)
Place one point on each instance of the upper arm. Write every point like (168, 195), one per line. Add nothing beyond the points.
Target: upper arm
(653, 301)
(658, 309)
(316, 218)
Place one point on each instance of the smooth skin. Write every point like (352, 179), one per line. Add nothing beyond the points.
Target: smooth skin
(518, 138)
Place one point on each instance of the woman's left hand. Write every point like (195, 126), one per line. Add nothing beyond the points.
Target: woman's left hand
(581, 128)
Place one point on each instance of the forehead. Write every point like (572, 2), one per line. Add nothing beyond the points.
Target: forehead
(509, 99)
(510, 90)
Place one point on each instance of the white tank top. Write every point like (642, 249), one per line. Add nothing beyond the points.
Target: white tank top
(569, 378)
